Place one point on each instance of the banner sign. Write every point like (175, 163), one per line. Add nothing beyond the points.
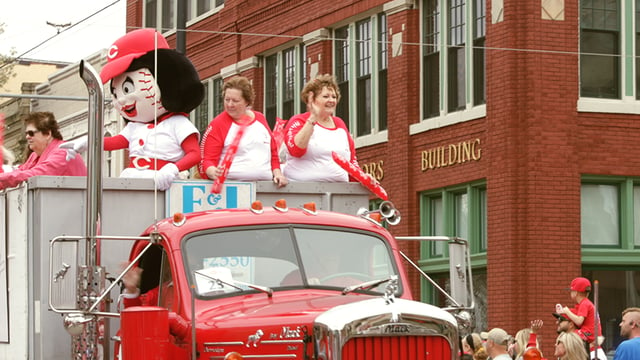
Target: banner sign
(187, 196)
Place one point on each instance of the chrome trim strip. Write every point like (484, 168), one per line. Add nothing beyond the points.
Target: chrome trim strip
(282, 342)
(223, 343)
(274, 356)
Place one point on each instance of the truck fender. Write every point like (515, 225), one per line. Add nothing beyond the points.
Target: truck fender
(179, 326)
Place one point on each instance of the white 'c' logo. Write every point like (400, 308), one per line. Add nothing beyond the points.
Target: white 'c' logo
(137, 165)
(113, 52)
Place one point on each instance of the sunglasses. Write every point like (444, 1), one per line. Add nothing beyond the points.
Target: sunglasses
(31, 133)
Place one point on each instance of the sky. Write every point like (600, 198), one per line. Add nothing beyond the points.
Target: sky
(25, 26)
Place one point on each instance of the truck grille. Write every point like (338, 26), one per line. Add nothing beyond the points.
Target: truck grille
(397, 347)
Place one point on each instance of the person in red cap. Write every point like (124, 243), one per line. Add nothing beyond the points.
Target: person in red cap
(583, 314)
(154, 88)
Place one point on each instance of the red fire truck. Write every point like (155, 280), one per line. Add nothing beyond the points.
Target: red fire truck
(280, 283)
(272, 280)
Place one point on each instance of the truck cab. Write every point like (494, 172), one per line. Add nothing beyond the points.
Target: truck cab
(279, 282)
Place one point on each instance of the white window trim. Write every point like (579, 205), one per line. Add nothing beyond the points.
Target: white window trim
(443, 120)
(470, 112)
(194, 19)
(298, 85)
(628, 105)
(377, 136)
(372, 139)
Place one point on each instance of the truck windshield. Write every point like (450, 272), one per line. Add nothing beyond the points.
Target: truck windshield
(225, 262)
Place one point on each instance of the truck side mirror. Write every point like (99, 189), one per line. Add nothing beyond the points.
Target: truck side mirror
(63, 273)
(459, 272)
(460, 292)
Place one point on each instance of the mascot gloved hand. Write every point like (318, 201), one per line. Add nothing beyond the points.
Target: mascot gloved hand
(154, 98)
(74, 147)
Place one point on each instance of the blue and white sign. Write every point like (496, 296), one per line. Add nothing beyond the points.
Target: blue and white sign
(187, 196)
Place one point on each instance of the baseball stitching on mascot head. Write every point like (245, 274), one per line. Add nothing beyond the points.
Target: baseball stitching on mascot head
(145, 86)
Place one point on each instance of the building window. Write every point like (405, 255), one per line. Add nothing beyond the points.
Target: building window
(436, 225)
(610, 213)
(458, 211)
(620, 288)
(610, 217)
(365, 42)
(196, 8)
(162, 14)
(211, 106)
(432, 296)
(482, 219)
(201, 116)
(600, 207)
(456, 55)
(363, 77)
(289, 88)
(636, 215)
(284, 78)
(464, 53)
(383, 60)
(600, 49)
(461, 215)
(341, 64)
(431, 59)
(637, 62)
(479, 35)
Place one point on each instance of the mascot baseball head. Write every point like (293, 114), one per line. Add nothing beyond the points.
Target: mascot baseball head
(148, 79)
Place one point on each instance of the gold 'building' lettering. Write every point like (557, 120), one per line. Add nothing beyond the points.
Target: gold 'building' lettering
(452, 154)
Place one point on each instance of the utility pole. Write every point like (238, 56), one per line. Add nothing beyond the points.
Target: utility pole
(181, 27)
(58, 27)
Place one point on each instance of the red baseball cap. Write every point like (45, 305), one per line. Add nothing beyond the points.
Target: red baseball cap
(580, 284)
(129, 47)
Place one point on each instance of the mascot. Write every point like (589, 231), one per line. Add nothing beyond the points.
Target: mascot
(154, 88)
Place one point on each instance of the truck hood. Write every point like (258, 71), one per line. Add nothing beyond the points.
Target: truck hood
(283, 326)
(258, 324)
(299, 306)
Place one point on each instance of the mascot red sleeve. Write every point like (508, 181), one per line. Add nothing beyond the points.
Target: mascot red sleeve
(154, 88)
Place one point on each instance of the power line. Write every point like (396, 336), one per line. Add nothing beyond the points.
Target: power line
(293, 37)
(424, 44)
(58, 33)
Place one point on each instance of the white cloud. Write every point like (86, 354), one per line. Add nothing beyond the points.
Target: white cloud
(26, 27)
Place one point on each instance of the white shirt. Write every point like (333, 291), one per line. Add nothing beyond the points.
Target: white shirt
(317, 163)
(253, 157)
(160, 142)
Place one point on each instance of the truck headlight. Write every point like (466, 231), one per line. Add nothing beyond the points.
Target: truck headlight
(75, 323)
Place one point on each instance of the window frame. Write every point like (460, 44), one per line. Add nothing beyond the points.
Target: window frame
(213, 102)
(477, 215)
(629, 75)
(438, 266)
(592, 28)
(192, 13)
(346, 63)
(436, 39)
(626, 253)
(275, 99)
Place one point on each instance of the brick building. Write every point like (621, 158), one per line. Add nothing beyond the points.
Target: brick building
(480, 118)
